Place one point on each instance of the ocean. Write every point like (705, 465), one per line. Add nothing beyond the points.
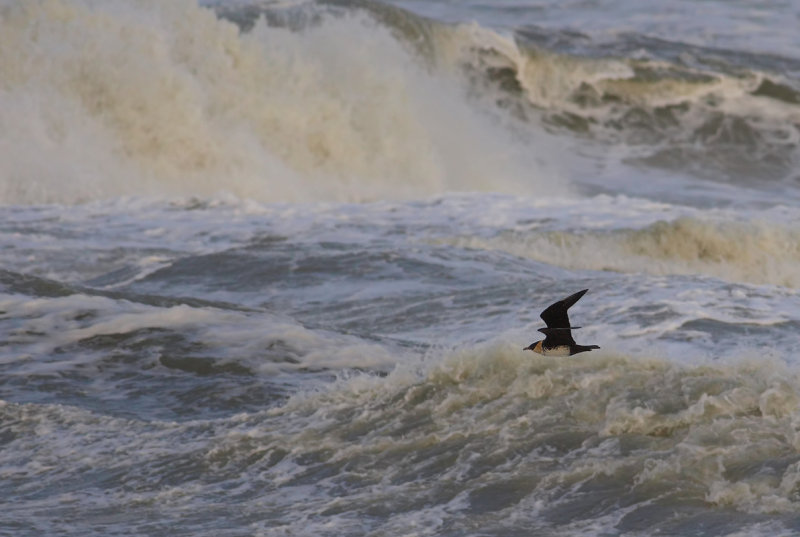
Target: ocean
(267, 268)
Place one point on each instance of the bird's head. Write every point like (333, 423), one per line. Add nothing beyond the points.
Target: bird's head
(535, 347)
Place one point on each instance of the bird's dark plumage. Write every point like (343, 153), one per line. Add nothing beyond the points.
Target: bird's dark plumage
(555, 316)
(558, 334)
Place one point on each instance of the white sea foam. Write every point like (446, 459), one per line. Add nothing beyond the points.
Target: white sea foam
(485, 432)
(146, 98)
(723, 424)
(43, 326)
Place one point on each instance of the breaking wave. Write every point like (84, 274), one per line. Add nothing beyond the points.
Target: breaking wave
(148, 98)
(718, 114)
(354, 100)
(556, 436)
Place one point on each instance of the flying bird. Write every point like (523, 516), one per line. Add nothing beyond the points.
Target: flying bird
(558, 334)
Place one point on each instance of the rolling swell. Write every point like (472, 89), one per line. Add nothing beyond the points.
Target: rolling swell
(747, 252)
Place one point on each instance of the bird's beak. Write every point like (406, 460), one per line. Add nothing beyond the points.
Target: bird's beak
(528, 348)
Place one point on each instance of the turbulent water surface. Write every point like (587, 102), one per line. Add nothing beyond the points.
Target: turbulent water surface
(267, 268)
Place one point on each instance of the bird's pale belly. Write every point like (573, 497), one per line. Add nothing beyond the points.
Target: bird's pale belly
(562, 350)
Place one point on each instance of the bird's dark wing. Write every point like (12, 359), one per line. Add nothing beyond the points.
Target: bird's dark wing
(555, 337)
(555, 316)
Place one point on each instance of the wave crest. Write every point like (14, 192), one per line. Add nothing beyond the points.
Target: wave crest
(657, 433)
(734, 251)
(147, 98)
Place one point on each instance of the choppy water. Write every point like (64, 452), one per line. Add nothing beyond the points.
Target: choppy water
(268, 268)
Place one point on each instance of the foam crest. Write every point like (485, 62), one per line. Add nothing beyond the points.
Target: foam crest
(670, 105)
(473, 435)
(78, 329)
(638, 425)
(148, 98)
(748, 252)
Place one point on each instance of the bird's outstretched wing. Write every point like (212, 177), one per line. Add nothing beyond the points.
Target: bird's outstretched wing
(555, 316)
(554, 337)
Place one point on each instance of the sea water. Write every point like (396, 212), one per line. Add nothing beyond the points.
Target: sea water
(267, 268)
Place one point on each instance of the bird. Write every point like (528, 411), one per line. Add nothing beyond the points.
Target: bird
(558, 334)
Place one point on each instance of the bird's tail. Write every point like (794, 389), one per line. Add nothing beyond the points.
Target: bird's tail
(584, 348)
